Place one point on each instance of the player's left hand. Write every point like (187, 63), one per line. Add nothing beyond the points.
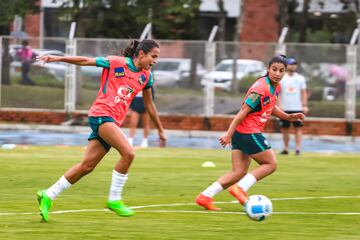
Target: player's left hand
(296, 117)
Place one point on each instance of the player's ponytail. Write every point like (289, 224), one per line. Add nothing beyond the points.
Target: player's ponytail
(129, 51)
(132, 50)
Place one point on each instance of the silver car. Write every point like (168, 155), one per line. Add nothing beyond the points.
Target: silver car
(169, 72)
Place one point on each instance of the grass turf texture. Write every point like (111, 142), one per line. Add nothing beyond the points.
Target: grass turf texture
(171, 176)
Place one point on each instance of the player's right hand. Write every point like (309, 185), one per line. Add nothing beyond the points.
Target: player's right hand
(225, 139)
(48, 58)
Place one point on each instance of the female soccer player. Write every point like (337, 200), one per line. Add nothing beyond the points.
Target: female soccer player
(244, 134)
(121, 80)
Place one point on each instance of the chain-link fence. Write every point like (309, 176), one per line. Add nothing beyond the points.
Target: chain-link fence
(29, 84)
(325, 69)
(331, 70)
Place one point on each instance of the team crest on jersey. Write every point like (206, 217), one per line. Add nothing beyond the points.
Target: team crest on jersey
(123, 94)
(119, 72)
(266, 100)
(141, 79)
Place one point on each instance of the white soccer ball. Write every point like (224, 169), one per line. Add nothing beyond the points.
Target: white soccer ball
(258, 207)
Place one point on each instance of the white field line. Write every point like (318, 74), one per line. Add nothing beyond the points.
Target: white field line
(202, 211)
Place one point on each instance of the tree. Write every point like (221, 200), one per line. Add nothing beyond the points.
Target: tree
(304, 21)
(222, 20)
(8, 11)
(127, 18)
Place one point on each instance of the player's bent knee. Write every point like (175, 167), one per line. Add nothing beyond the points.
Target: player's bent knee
(273, 166)
(128, 155)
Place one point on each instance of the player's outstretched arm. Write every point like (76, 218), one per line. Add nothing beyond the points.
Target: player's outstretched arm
(152, 111)
(77, 60)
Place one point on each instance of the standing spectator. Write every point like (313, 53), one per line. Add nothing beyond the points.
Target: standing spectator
(293, 99)
(26, 54)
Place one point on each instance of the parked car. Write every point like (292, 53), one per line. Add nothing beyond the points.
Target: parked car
(172, 71)
(223, 74)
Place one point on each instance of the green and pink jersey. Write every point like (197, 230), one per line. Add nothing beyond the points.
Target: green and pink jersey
(119, 85)
(261, 97)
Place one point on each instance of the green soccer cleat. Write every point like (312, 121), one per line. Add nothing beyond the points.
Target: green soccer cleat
(120, 208)
(45, 203)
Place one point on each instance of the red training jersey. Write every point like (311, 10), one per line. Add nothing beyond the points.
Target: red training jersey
(254, 122)
(119, 85)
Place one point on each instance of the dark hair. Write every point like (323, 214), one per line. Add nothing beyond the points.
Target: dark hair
(132, 50)
(279, 59)
(25, 42)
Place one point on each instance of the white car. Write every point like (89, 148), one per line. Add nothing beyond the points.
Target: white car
(171, 72)
(223, 74)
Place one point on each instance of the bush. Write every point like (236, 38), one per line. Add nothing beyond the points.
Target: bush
(246, 82)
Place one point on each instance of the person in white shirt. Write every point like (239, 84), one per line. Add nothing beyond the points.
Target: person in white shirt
(293, 99)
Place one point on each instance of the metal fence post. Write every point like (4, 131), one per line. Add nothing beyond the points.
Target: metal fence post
(350, 87)
(281, 47)
(210, 54)
(70, 76)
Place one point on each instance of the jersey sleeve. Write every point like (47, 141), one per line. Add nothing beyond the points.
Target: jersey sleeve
(150, 82)
(102, 62)
(253, 100)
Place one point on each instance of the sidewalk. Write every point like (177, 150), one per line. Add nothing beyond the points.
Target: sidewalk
(33, 134)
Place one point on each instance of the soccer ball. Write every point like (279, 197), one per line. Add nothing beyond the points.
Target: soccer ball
(258, 207)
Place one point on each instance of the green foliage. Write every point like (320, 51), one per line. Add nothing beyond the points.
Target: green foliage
(246, 82)
(313, 36)
(8, 10)
(127, 19)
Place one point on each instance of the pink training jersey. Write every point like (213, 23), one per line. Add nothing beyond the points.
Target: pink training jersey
(254, 122)
(119, 85)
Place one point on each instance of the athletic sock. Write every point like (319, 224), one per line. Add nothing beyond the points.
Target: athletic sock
(213, 189)
(118, 181)
(247, 182)
(144, 143)
(58, 187)
(131, 141)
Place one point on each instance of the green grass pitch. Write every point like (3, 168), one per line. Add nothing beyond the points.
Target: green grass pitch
(169, 179)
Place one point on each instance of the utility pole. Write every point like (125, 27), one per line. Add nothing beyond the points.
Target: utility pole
(235, 81)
